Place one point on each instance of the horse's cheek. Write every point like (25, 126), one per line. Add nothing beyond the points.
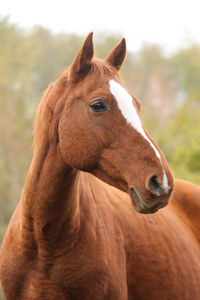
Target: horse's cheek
(80, 150)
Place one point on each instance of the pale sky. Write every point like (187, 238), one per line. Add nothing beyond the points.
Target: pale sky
(170, 23)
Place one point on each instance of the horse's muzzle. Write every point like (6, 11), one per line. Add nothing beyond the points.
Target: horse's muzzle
(149, 206)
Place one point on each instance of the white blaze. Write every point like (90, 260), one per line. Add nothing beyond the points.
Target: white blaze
(125, 104)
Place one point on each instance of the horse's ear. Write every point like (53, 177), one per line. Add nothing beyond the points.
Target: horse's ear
(82, 62)
(117, 56)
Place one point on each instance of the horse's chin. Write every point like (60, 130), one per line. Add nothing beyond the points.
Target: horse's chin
(139, 205)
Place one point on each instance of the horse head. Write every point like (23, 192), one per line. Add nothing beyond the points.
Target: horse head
(96, 124)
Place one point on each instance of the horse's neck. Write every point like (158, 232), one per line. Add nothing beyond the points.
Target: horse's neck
(50, 199)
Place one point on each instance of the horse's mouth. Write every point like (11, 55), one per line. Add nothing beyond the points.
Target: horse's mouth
(139, 204)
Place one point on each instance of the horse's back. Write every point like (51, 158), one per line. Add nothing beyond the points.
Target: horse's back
(186, 203)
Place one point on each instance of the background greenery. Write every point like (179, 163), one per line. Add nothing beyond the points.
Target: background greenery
(167, 85)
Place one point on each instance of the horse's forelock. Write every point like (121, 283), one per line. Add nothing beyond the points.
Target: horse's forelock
(101, 68)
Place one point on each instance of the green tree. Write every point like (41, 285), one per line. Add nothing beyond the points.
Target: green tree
(184, 68)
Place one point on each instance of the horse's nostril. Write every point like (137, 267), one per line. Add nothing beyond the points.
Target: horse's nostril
(154, 185)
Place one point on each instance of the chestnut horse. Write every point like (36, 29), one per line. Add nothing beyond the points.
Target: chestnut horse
(77, 233)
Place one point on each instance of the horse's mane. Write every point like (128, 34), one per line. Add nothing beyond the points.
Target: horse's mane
(39, 111)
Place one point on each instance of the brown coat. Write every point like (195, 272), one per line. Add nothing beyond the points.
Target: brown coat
(74, 235)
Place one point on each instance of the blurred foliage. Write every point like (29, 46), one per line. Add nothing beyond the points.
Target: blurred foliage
(168, 87)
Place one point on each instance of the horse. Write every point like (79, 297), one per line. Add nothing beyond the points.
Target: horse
(89, 224)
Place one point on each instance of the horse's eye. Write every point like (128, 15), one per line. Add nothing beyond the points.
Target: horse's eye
(98, 106)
